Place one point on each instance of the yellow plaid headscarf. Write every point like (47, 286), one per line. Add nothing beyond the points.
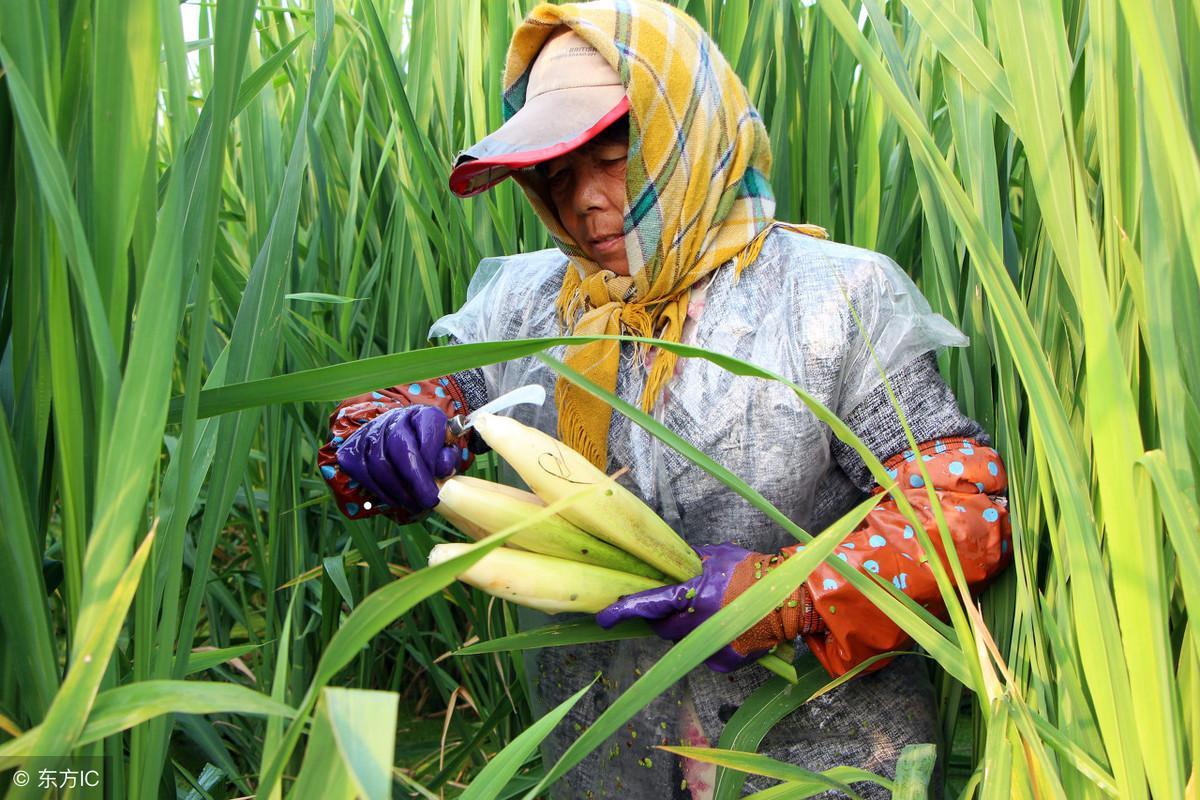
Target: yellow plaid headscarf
(696, 191)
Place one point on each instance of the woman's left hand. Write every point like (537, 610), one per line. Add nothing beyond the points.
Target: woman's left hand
(675, 611)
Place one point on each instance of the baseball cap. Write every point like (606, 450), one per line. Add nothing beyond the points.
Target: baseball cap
(573, 94)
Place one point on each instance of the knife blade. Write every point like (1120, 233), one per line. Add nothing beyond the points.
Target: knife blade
(530, 393)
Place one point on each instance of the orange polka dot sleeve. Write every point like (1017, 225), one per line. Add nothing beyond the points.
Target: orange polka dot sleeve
(970, 484)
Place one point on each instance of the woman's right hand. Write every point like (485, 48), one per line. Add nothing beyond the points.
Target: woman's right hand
(398, 455)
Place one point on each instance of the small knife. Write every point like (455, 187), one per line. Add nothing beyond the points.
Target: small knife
(529, 393)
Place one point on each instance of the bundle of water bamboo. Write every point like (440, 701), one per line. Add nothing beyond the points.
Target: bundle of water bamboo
(581, 559)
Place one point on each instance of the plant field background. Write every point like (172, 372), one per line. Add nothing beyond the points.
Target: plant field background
(197, 261)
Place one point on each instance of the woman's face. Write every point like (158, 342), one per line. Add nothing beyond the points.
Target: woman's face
(587, 187)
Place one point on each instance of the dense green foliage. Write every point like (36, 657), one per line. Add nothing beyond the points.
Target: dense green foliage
(183, 222)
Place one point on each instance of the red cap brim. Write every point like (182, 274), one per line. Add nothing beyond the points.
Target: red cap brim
(470, 177)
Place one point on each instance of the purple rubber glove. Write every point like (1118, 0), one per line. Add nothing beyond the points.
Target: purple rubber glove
(675, 611)
(397, 456)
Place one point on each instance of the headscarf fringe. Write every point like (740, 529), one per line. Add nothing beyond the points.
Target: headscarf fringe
(576, 437)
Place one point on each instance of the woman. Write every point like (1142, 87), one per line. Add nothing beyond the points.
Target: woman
(637, 146)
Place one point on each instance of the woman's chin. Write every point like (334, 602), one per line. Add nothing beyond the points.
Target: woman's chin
(610, 256)
(620, 266)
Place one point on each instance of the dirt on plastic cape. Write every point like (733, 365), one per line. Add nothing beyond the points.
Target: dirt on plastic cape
(789, 312)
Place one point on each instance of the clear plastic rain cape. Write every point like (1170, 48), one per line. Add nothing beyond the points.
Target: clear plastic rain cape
(789, 312)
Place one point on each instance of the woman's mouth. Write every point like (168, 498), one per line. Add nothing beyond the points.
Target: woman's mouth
(608, 244)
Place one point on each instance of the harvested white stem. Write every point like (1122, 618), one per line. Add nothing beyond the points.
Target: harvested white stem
(549, 584)
(479, 508)
(617, 516)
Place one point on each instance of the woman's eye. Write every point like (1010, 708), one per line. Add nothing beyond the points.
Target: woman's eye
(613, 166)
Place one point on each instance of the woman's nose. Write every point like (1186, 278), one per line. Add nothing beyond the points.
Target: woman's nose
(589, 190)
